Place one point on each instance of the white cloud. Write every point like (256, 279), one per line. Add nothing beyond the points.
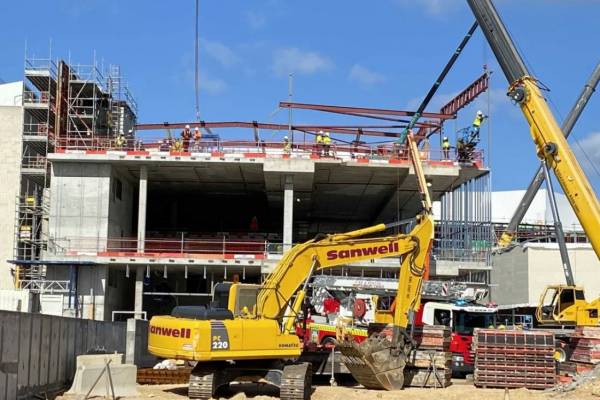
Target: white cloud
(433, 7)
(184, 76)
(210, 84)
(294, 60)
(220, 52)
(255, 20)
(365, 76)
(587, 151)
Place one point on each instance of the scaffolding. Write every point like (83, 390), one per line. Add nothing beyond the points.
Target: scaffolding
(61, 102)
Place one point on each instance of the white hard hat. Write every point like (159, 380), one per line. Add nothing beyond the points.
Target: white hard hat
(196, 129)
(187, 127)
(285, 138)
(326, 133)
(320, 132)
(479, 112)
(445, 137)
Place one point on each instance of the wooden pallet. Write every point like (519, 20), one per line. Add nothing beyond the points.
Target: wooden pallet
(149, 376)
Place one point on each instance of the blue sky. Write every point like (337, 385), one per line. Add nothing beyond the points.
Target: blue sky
(386, 54)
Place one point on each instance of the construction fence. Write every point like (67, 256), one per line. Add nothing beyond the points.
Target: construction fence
(38, 352)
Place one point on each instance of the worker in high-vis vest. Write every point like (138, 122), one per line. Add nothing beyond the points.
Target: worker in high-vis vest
(287, 147)
(319, 143)
(477, 121)
(326, 143)
(446, 148)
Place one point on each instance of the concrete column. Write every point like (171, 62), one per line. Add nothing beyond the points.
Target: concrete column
(141, 238)
(142, 200)
(139, 290)
(288, 212)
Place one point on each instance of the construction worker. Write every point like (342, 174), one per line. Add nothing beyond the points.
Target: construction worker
(287, 147)
(319, 142)
(197, 138)
(186, 135)
(177, 146)
(326, 143)
(120, 141)
(477, 122)
(446, 148)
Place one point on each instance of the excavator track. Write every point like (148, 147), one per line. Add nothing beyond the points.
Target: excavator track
(375, 363)
(296, 382)
(204, 382)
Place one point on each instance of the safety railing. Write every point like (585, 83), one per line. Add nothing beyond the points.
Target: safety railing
(31, 97)
(37, 129)
(40, 64)
(474, 254)
(223, 246)
(34, 162)
(45, 286)
(386, 151)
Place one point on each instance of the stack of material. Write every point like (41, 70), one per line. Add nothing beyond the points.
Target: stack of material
(429, 365)
(433, 337)
(514, 359)
(149, 376)
(586, 346)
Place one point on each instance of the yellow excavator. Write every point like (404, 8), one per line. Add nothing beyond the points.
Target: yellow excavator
(559, 304)
(254, 337)
(249, 332)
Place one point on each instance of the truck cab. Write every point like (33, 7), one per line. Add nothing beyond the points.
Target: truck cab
(462, 318)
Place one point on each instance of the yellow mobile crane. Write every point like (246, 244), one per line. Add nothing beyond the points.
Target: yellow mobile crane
(559, 304)
(252, 335)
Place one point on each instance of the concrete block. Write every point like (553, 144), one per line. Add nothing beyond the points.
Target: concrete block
(123, 377)
(91, 360)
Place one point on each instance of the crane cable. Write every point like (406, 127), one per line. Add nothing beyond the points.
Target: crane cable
(196, 72)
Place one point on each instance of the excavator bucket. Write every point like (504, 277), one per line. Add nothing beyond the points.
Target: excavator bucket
(375, 363)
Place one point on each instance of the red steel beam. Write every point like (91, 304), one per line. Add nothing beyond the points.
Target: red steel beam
(348, 130)
(361, 110)
(468, 95)
(461, 100)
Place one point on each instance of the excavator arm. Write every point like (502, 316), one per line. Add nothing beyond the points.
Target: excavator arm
(274, 300)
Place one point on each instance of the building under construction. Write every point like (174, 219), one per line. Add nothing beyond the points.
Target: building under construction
(112, 218)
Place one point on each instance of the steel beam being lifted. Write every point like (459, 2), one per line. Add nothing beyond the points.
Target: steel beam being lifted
(361, 110)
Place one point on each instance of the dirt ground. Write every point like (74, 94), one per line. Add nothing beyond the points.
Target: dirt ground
(459, 390)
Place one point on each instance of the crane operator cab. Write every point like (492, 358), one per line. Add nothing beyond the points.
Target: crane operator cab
(229, 300)
(566, 304)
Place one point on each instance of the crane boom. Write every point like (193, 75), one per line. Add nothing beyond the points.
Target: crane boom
(567, 126)
(551, 144)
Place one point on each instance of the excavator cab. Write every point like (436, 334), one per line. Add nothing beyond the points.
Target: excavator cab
(565, 305)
